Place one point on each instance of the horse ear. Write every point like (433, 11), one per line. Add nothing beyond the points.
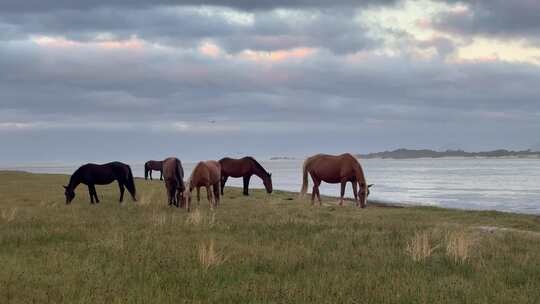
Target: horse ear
(369, 186)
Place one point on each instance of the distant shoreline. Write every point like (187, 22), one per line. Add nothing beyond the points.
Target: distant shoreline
(450, 154)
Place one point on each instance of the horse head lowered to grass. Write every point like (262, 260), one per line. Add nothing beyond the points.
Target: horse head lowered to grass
(173, 173)
(333, 169)
(205, 174)
(244, 167)
(94, 174)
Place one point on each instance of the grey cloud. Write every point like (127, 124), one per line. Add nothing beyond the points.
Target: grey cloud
(333, 29)
(49, 5)
(84, 102)
(497, 18)
(166, 87)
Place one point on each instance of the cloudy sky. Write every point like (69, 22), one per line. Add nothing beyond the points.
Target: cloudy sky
(130, 80)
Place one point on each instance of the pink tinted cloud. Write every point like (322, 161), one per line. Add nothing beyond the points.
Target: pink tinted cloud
(61, 42)
(277, 56)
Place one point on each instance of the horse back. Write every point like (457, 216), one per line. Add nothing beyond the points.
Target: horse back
(103, 174)
(332, 168)
(206, 173)
(154, 165)
(235, 167)
(173, 170)
(214, 171)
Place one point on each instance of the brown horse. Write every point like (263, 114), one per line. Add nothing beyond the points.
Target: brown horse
(205, 174)
(335, 169)
(92, 175)
(174, 181)
(244, 167)
(155, 165)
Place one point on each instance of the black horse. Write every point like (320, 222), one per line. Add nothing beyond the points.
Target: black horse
(93, 174)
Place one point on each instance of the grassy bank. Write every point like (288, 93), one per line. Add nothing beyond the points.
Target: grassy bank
(257, 249)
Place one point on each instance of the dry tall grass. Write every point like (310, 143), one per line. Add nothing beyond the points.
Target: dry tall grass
(208, 256)
(9, 214)
(158, 218)
(458, 247)
(198, 218)
(420, 247)
(195, 218)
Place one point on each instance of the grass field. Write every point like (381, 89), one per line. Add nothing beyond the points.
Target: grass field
(258, 249)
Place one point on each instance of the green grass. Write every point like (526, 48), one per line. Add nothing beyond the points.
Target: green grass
(266, 249)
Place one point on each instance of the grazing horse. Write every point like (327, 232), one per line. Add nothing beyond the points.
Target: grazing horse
(92, 174)
(174, 181)
(244, 167)
(206, 174)
(155, 165)
(335, 169)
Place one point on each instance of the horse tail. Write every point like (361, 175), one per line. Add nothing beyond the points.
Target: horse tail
(304, 179)
(146, 170)
(179, 172)
(130, 183)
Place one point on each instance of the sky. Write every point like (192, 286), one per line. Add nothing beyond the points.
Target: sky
(134, 80)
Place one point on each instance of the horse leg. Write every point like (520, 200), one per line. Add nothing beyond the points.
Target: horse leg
(313, 193)
(95, 193)
(355, 191)
(150, 172)
(210, 197)
(169, 195)
(343, 185)
(246, 184)
(198, 195)
(180, 202)
(91, 194)
(317, 183)
(121, 186)
(319, 196)
(223, 181)
(175, 196)
(160, 175)
(216, 193)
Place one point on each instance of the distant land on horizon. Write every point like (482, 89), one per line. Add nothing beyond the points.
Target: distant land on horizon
(427, 153)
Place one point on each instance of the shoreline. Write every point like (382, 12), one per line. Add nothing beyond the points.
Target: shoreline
(331, 200)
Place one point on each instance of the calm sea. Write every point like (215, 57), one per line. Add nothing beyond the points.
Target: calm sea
(483, 184)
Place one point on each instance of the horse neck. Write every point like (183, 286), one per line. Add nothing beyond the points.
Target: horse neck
(258, 171)
(75, 180)
(360, 177)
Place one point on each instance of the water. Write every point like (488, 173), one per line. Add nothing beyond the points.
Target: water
(481, 184)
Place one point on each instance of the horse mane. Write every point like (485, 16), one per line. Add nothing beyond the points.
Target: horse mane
(358, 167)
(257, 165)
(74, 179)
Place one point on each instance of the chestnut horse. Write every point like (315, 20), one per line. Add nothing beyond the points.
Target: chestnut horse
(173, 172)
(155, 165)
(244, 167)
(92, 174)
(335, 169)
(205, 174)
